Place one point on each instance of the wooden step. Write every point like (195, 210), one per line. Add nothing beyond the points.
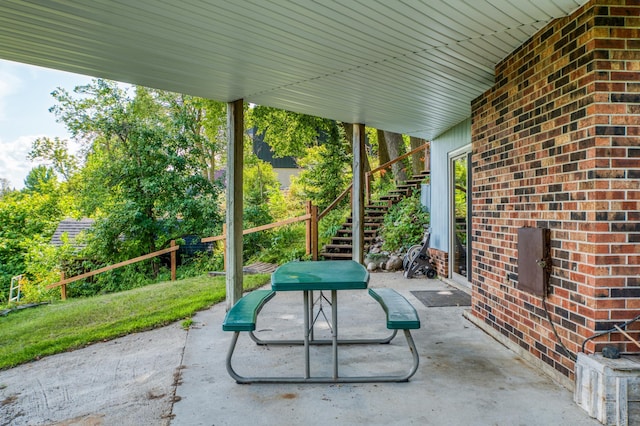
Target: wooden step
(381, 204)
(375, 213)
(337, 240)
(337, 256)
(338, 247)
(368, 219)
(348, 231)
(370, 225)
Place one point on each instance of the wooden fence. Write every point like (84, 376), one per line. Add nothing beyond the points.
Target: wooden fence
(311, 217)
(311, 234)
(64, 281)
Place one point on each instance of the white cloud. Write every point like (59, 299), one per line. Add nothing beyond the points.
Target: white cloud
(14, 164)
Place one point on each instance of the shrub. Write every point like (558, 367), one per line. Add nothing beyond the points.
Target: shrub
(287, 244)
(404, 224)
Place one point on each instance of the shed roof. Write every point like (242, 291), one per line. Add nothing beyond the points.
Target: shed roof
(71, 227)
(406, 66)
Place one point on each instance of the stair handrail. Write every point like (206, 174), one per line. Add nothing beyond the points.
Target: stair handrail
(336, 201)
(388, 164)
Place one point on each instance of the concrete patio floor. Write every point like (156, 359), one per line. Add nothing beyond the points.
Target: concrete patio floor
(465, 377)
(172, 376)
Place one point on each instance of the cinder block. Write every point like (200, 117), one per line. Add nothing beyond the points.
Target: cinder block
(609, 389)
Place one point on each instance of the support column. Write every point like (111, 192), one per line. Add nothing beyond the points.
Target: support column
(357, 196)
(235, 141)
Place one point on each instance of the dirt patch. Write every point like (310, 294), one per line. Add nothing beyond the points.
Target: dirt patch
(90, 420)
(288, 396)
(9, 400)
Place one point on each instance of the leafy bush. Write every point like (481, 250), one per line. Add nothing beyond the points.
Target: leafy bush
(199, 264)
(287, 244)
(331, 223)
(404, 224)
(42, 268)
(255, 242)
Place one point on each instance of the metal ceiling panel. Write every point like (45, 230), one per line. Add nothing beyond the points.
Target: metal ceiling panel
(410, 66)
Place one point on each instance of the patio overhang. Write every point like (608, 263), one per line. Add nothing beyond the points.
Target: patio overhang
(409, 67)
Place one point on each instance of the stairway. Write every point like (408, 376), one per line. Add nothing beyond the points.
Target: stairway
(341, 246)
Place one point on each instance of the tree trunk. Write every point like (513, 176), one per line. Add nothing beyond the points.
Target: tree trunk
(348, 135)
(396, 148)
(417, 159)
(383, 152)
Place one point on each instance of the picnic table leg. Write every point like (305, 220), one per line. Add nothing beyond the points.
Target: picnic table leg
(310, 313)
(334, 331)
(306, 296)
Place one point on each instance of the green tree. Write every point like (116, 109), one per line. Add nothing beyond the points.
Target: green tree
(145, 165)
(260, 182)
(55, 152)
(326, 170)
(40, 179)
(289, 133)
(26, 218)
(205, 120)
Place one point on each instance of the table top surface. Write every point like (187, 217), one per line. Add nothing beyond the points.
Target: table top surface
(320, 275)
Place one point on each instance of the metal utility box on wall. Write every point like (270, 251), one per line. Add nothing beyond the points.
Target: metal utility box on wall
(534, 263)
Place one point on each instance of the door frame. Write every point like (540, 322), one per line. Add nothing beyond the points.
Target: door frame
(452, 156)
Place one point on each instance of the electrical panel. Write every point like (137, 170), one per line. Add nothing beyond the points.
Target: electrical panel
(534, 262)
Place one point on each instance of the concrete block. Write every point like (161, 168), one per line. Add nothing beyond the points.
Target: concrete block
(609, 389)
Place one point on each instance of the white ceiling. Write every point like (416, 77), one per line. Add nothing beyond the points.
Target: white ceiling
(408, 66)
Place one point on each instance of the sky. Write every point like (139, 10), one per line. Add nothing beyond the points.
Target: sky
(25, 99)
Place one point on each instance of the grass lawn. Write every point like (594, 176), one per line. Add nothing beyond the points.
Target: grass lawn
(29, 334)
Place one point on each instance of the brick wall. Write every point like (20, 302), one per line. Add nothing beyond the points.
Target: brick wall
(556, 144)
(440, 261)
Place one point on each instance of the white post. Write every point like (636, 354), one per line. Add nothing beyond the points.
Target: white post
(357, 209)
(235, 141)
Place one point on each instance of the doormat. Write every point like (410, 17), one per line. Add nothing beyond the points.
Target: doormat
(442, 298)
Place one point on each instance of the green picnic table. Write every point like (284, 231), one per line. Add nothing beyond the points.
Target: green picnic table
(309, 277)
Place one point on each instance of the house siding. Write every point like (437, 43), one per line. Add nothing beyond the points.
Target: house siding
(556, 144)
(456, 137)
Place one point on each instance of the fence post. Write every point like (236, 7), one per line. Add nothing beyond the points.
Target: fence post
(173, 261)
(63, 287)
(224, 245)
(314, 232)
(427, 158)
(308, 239)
